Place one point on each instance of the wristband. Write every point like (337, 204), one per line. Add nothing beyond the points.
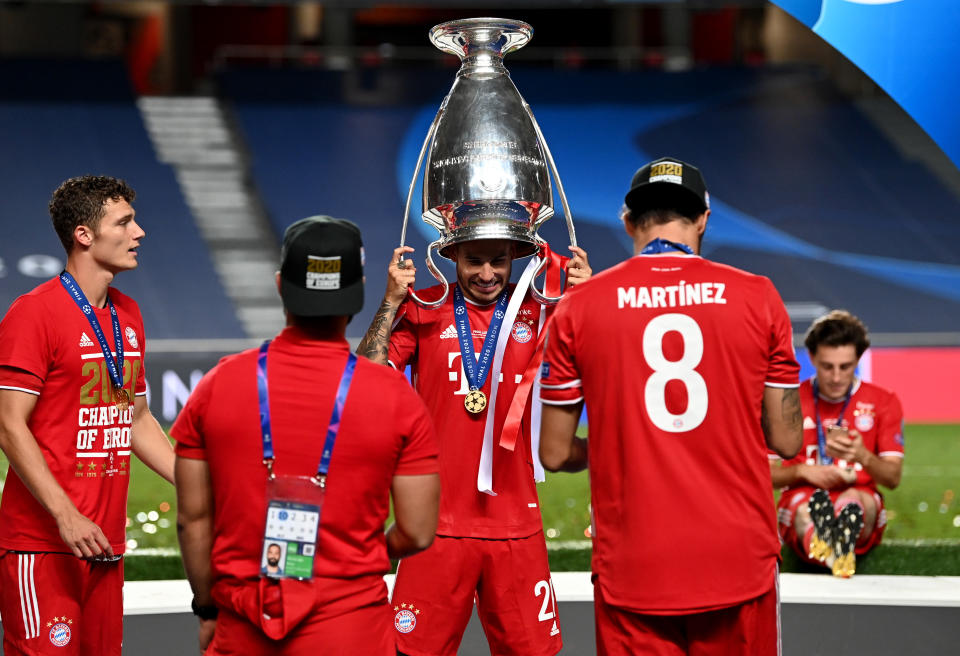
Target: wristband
(204, 612)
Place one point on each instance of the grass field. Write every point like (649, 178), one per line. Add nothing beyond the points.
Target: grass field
(923, 513)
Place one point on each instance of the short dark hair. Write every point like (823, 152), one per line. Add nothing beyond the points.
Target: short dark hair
(837, 328)
(660, 216)
(81, 200)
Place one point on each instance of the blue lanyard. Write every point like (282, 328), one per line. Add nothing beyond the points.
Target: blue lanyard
(475, 370)
(332, 428)
(821, 434)
(114, 367)
(665, 246)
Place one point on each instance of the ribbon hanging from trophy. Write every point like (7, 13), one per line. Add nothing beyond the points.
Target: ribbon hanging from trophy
(488, 169)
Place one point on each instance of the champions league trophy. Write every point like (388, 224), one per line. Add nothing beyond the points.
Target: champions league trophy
(486, 174)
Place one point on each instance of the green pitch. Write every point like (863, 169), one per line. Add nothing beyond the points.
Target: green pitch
(924, 507)
(923, 513)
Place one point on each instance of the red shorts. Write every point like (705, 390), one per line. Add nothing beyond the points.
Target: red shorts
(59, 604)
(510, 580)
(367, 631)
(793, 498)
(752, 627)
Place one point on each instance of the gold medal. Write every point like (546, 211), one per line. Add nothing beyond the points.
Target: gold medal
(475, 402)
(121, 398)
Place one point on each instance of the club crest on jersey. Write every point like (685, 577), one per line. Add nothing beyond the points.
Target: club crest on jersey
(863, 419)
(405, 620)
(522, 332)
(60, 632)
(131, 335)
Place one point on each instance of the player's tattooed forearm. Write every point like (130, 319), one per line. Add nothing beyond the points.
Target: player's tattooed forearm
(374, 345)
(790, 407)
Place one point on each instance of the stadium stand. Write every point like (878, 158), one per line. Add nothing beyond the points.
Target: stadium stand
(805, 188)
(60, 119)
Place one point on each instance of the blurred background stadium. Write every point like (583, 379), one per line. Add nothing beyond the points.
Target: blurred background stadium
(234, 120)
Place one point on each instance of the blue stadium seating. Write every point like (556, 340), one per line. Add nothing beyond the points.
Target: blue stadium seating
(60, 119)
(805, 189)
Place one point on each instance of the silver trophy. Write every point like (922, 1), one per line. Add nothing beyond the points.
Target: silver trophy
(487, 173)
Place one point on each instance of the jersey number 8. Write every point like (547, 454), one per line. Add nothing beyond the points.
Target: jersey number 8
(684, 370)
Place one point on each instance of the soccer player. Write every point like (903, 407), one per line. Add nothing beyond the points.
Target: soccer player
(830, 509)
(256, 433)
(687, 370)
(490, 545)
(72, 408)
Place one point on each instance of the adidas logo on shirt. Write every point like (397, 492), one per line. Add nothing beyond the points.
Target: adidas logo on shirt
(449, 332)
(808, 423)
(85, 341)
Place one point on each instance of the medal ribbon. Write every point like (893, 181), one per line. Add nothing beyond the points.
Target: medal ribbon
(115, 368)
(333, 427)
(511, 427)
(553, 286)
(476, 369)
(665, 246)
(821, 433)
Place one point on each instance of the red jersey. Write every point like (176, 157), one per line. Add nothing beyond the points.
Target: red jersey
(873, 411)
(670, 354)
(384, 431)
(427, 341)
(47, 348)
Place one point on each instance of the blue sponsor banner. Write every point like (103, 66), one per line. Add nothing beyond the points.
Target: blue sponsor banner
(908, 47)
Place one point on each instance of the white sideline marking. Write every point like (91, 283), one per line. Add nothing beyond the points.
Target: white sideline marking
(158, 597)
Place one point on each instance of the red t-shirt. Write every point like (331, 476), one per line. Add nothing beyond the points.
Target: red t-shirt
(671, 354)
(427, 341)
(384, 431)
(873, 411)
(47, 348)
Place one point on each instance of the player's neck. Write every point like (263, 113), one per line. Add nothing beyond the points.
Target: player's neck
(93, 279)
(675, 231)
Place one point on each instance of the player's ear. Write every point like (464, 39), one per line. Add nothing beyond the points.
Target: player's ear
(628, 225)
(277, 278)
(83, 235)
(702, 222)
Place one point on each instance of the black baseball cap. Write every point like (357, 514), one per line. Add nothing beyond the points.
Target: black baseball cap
(321, 268)
(668, 183)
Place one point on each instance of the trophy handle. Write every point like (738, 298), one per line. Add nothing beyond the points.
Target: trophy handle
(416, 172)
(536, 294)
(430, 305)
(556, 176)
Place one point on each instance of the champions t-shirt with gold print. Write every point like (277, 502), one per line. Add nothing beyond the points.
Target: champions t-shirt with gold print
(48, 349)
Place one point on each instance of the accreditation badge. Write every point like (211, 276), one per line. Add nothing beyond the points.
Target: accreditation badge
(294, 504)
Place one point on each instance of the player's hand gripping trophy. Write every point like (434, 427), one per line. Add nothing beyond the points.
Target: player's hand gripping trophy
(487, 173)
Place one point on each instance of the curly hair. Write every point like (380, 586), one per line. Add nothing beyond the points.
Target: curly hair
(837, 328)
(81, 200)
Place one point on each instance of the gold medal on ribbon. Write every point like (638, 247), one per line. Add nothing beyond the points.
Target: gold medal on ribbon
(121, 398)
(476, 401)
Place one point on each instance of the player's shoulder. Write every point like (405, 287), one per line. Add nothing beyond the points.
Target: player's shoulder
(41, 300)
(873, 391)
(123, 302)
(735, 273)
